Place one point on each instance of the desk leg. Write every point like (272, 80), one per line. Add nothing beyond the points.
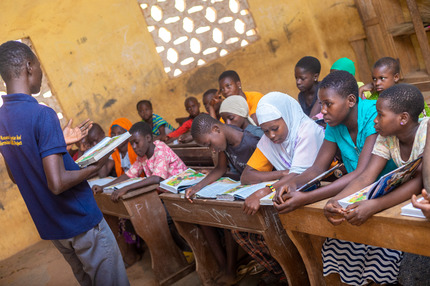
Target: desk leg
(148, 217)
(206, 266)
(309, 247)
(278, 241)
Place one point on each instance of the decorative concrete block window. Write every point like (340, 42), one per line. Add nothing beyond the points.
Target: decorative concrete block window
(45, 95)
(191, 33)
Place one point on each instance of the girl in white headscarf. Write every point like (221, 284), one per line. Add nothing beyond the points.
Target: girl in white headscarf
(235, 111)
(289, 146)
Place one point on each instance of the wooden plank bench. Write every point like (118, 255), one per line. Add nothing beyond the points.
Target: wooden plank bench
(308, 227)
(144, 209)
(229, 215)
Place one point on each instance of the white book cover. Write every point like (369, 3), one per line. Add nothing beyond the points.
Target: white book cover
(410, 210)
(178, 183)
(100, 150)
(219, 186)
(101, 181)
(117, 186)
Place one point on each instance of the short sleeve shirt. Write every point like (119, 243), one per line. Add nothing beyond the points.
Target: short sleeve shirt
(163, 163)
(30, 132)
(389, 148)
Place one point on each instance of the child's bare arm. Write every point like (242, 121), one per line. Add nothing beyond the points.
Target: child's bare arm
(360, 212)
(423, 205)
(106, 169)
(99, 189)
(426, 162)
(59, 179)
(252, 176)
(116, 195)
(213, 175)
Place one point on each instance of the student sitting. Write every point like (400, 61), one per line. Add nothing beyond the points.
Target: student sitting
(424, 205)
(234, 111)
(212, 102)
(289, 146)
(350, 129)
(95, 135)
(160, 127)
(306, 72)
(192, 106)
(123, 156)
(229, 84)
(236, 147)
(402, 139)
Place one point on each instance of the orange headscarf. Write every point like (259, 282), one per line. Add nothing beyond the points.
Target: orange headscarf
(126, 124)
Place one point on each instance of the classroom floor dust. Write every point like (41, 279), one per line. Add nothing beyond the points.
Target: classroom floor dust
(42, 265)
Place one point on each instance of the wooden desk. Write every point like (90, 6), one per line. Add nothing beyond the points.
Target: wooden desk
(230, 215)
(146, 212)
(193, 155)
(308, 227)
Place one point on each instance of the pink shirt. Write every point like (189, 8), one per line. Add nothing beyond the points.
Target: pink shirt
(163, 163)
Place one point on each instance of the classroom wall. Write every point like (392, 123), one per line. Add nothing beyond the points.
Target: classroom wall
(100, 60)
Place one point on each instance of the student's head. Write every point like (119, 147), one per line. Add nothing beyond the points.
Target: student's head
(95, 135)
(343, 64)
(141, 138)
(397, 107)
(144, 108)
(235, 111)
(118, 127)
(229, 83)
(208, 132)
(18, 61)
(338, 93)
(385, 73)
(280, 117)
(307, 71)
(192, 106)
(207, 97)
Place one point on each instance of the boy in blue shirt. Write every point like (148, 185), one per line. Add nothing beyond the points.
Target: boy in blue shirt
(53, 187)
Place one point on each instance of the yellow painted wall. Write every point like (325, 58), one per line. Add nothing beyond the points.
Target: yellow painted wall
(100, 60)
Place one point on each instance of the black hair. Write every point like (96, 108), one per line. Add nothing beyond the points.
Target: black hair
(342, 82)
(95, 129)
(142, 128)
(147, 102)
(309, 64)
(191, 98)
(404, 97)
(231, 74)
(202, 124)
(389, 62)
(209, 92)
(13, 58)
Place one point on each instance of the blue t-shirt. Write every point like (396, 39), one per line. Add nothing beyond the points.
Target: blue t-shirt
(29, 132)
(366, 113)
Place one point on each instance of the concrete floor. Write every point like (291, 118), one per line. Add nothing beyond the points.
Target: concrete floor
(42, 265)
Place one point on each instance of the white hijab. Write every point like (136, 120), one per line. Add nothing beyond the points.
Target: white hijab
(272, 106)
(236, 104)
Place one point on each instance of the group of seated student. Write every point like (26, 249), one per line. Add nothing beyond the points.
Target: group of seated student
(275, 138)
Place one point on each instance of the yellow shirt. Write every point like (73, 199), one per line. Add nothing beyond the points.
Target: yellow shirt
(252, 98)
(259, 162)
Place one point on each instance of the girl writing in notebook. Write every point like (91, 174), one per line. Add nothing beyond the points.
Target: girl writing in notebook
(402, 139)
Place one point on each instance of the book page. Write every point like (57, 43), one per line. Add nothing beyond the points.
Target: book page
(216, 188)
(184, 178)
(120, 185)
(249, 190)
(101, 182)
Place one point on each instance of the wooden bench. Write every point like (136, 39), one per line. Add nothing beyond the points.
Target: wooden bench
(307, 227)
(229, 215)
(148, 216)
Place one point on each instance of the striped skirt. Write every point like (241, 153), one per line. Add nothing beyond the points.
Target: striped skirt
(359, 264)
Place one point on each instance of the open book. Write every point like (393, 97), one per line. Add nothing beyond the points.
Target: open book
(122, 184)
(101, 181)
(241, 192)
(100, 150)
(384, 185)
(182, 181)
(219, 186)
(410, 210)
